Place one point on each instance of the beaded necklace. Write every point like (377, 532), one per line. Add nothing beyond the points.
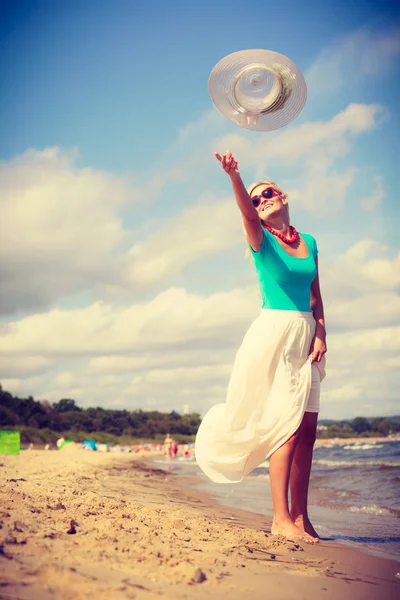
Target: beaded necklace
(290, 240)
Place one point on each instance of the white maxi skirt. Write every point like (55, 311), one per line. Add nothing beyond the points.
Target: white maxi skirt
(267, 396)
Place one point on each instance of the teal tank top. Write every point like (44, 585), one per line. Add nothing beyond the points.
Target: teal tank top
(285, 280)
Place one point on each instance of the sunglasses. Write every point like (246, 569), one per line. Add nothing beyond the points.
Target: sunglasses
(267, 193)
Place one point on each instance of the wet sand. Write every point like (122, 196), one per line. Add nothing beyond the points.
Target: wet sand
(82, 525)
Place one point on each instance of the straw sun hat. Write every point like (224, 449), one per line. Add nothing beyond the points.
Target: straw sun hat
(258, 89)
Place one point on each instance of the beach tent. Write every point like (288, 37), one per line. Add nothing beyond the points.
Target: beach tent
(89, 445)
(9, 442)
(102, 447)
(65, 444)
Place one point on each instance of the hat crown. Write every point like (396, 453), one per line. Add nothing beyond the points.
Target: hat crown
(258, 89)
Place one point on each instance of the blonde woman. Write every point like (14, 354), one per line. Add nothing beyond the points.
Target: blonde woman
(272, 403)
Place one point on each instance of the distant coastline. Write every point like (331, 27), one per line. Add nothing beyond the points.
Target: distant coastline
(43, 422)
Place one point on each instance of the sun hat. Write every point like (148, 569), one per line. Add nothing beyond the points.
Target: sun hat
(258, 89)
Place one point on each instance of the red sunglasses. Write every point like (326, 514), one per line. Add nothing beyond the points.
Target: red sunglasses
(267, 193)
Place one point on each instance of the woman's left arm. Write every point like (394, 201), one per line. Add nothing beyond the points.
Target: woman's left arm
(318, 346)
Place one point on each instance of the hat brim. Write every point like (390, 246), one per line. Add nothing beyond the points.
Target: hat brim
(258, 89)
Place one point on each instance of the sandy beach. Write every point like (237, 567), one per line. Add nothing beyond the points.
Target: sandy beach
(82, 525)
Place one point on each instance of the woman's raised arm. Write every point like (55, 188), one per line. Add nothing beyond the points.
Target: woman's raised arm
(251, 221)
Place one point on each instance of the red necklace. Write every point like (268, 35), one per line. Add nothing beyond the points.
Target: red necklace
(290, 240)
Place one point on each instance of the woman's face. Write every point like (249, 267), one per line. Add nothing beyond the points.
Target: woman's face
(268, 207)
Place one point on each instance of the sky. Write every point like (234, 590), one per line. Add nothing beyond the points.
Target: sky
(124, 280)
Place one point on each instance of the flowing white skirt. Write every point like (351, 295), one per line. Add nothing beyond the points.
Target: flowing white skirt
(267, 396)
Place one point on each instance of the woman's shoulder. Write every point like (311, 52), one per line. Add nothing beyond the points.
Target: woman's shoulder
(307, 236)
(265, 244)
(310, 241)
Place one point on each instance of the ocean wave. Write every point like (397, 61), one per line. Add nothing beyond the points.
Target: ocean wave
(362, 446)
(356, 463)
(372, 509)
(257, 476)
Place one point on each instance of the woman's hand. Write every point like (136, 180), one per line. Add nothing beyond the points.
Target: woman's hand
(318, 348)
(229, 164)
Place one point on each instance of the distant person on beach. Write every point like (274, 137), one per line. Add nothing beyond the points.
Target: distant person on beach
(272, 404)
(174, 448)
(168, 445)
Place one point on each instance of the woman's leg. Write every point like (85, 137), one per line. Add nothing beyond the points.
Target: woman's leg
(280, 464)
(300, 473)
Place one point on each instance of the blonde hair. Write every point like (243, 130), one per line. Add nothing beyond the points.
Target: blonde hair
(253, 186)
(265, 182)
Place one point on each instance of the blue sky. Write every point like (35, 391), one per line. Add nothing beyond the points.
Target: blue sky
(119, 219)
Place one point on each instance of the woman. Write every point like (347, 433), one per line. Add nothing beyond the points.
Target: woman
(273, 396)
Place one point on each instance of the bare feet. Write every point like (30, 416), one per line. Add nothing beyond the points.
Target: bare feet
(305, 525)
(292, 532)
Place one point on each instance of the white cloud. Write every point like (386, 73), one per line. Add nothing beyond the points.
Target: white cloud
(380, 342)
(64, 234)
(370, 203)
(179, 347)
(314, 149)
(190, 375)
(300, 141)
(155, 359)
(173, 318)
(368, 52)
(60, 227)
(65, 237)
(365, 269)
(361, 287)
(362, 305)
(10, 367)
(202, 230)
(374, 308)
(192, 133)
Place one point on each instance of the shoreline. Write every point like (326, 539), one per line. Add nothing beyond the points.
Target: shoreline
(334, 523)
(339, 441)
(142, 532)
(138, 448)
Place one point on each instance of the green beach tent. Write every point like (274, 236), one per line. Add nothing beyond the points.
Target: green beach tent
(10, 442)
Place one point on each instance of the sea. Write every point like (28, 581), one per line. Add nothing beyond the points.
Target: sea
(354, 493)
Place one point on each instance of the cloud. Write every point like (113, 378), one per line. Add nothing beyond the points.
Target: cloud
(178, 348)
(362, 306)
(366, 53)
(154, 359)
(361, 287)
(302, 140)
(364, 268)
(172, 347)
(370, 203)
(313, 151)
(205, 229)
(362, 372)
(375, 308)
(382, 340)
(9, 367)
(173, 319)
(193, 133)
(65, 237)
(60, 227)
(138, 335)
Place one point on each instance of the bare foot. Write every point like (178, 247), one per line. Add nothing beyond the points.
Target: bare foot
(290, 531)
(305, 525)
